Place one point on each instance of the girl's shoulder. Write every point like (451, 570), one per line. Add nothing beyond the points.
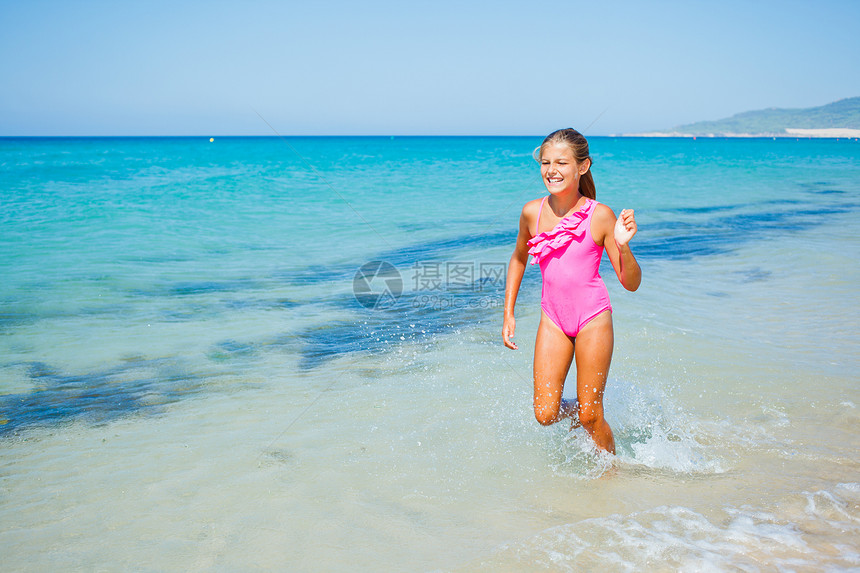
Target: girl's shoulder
(602, 222)
(603, 212)
(532, 208)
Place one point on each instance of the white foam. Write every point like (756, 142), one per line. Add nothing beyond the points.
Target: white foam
(675, 538)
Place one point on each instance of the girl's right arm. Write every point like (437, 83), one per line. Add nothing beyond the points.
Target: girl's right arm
(516, 269)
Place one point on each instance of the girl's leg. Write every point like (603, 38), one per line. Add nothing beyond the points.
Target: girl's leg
(553, 356)
(593, 354)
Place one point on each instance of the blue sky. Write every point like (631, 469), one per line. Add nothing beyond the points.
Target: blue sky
(424, 68)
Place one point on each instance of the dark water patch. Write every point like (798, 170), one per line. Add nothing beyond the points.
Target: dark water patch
(57, 309)
(782, 201)
(316, 275)
(416, 316)
(822, 188)
(753, 275)
(682, 247)
(434, 250)
(167, 288)
(135, 386)
(699, 210)
(241, 304)
(675, 227)
(12, 319)
(325, 342)
(418, 226)
(207, 287)
(187, 314)
(231, 350)
(191, 309)
(287, 342)
(829, 192)
(725, 234)
(260, 304)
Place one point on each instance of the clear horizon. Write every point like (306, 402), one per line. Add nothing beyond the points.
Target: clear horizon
(420, 135)
(160, 69)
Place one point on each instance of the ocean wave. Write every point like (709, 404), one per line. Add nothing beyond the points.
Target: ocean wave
(815, 530)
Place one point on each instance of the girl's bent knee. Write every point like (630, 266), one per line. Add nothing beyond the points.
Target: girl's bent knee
(546, 416)
(589, 417)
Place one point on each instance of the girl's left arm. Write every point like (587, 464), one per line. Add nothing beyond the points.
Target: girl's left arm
(616, 237)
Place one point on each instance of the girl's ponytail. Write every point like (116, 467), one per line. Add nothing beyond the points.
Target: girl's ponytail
(586, 185)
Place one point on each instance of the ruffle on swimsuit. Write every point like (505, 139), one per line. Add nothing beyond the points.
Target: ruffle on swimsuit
(543, 244)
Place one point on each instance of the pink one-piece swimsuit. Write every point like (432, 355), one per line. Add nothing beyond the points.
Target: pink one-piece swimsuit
(573, 292)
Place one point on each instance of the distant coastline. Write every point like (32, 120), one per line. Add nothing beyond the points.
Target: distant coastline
(840, 119)
(826, 133)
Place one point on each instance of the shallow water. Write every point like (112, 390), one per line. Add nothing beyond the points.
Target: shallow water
(189, 382)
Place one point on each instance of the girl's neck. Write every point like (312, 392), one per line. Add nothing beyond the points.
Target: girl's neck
(563, 205)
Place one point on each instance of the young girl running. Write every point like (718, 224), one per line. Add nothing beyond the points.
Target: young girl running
(566, 233)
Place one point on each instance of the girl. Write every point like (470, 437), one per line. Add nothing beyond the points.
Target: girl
(566, 233)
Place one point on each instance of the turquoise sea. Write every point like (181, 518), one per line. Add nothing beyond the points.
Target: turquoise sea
(285, 354)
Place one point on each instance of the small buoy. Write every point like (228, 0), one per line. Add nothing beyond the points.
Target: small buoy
(211, 139)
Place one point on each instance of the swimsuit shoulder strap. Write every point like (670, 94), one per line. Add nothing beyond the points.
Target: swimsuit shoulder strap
(592, 207)
(540, 210)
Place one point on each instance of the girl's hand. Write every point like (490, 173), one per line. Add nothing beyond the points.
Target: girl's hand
(508, 329)
(625, 227)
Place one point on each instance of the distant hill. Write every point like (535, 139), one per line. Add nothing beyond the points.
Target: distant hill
(837, 119)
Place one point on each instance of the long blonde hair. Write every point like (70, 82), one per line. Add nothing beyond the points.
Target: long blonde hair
(579, 145)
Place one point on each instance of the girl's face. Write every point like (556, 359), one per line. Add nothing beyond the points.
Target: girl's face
(559, 169)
